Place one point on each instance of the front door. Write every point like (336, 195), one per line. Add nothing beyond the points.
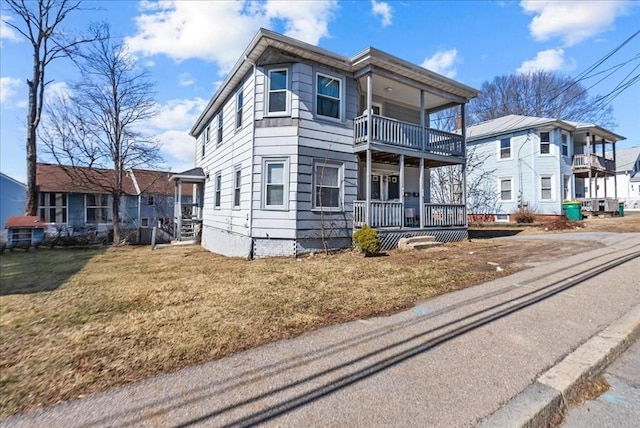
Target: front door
(376, 187)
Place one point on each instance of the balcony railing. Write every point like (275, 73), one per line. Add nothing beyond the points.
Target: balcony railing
(592, 161)
(407, 135)
(392, 214)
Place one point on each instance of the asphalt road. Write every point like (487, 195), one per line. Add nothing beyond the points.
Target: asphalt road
(620, 406)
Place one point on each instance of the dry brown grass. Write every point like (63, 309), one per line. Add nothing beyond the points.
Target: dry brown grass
(78, 321)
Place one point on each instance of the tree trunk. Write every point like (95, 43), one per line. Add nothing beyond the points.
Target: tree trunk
(31, 206)
(115, 206)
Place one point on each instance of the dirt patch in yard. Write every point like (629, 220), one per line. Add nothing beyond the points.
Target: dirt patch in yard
(128, 313)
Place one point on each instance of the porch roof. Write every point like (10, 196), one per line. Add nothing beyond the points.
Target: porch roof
(191, 175)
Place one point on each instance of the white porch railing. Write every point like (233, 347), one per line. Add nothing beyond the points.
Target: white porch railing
(444, 215)
(591, 160)
(409, 135)
(391, 214)
(383, 214)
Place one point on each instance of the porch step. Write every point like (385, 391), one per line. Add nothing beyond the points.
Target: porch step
(417, 243)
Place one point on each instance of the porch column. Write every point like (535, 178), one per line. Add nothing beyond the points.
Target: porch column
(423, 125)
(369, 109)
(589, 165)
(402, 186)
(463, 130)
(615, 175)
(422, 193)
(367, 218)
(179, 208)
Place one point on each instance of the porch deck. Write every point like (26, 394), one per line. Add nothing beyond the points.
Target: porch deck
(583, 163)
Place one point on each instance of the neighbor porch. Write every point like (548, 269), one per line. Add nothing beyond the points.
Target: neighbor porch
(188, 205)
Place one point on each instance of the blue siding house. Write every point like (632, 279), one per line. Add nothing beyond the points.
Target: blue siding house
(12, 198)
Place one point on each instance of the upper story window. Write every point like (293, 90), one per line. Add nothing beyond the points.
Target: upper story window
(545, 143)
(328, 185)
(505, 148)
(565, 144)
(274, 190)
(220, 123)
(150, 200)
(53, 207)
(239, 104)
(277, 91)
(205, 140)
(328, 96)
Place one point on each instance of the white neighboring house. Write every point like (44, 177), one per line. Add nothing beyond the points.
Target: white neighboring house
(627, 179)
(288, 161)
(539, 163)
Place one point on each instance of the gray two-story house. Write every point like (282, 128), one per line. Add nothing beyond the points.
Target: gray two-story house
(299, 146)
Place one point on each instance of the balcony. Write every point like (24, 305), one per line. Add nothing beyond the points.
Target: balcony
(584, 163)
(391, 214)
(406, 135)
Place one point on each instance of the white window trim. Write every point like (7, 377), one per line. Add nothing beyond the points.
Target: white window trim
(502, 220)
(340, 79)
(552, 188)
(236, 169)
(546, 142)
(568, 144)
(217, 190)
(238, 126)
(285, 189)
(66, 206)
(109, 207)
(219, 128)
(500, 189)
(500, 158)
(340, 167)
(287, 91)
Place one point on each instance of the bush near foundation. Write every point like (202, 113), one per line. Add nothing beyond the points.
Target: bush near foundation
(366, 239)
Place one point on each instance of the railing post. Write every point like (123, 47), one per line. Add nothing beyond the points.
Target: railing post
(422, 193)
(368, 189)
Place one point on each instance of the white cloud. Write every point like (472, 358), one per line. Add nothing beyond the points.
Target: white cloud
(219, 31)
(383, 10)
(178, 114)
(186, 79)
(443, 62)
(8, 86)
(572, 21)
(179, 145)
(7, 32)
(548, 60)
(56, 90)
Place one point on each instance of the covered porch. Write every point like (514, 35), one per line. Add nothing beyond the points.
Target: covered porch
(410, 124)
(189, 192)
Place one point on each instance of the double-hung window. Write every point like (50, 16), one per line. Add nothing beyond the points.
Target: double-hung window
(53, 207)
(506, 190)
(545, 143)
(220, 123)
(239, 104)
(205, 140)
(237, 183)
(565, 144)
(546, 188)
(150, 200)
(505, 148)
(327, 185)
(328, 96)
(275, 183)
(98, 209)
(218, 190)
(277, 93)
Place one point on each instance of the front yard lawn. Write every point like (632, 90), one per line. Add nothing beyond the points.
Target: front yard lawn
(73, 322)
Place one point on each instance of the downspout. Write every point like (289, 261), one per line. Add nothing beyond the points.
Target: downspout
(253, 145)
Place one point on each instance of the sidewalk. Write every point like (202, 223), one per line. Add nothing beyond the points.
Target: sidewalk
(453, 360)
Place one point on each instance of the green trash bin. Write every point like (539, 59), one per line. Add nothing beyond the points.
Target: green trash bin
(573, 210)
(621, 209)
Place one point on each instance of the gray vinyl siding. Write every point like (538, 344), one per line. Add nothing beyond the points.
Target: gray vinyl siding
(235, 150)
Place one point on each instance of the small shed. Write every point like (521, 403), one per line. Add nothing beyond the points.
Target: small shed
(24, 231)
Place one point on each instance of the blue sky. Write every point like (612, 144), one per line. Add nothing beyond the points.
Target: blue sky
(188, 46)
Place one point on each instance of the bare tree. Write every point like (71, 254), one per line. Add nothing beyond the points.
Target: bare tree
(539, 94)
(447, 181)
(101, 122)
(39, 23)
